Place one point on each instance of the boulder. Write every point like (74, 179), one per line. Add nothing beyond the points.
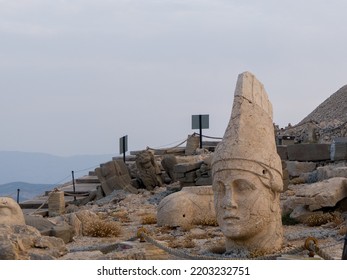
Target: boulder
(48, 228)
(114, 175)
(297, 168)
(193, 143)
(327, 172)
(22, 242)
(318, 195)
(300, 213)
(149, 171)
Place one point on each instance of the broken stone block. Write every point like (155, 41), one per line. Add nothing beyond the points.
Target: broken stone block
(318, 195)
(186, 167)
(301, 213)
(308, 152)
(168, 163)
(114, 175)
(297, 168)
(149, 171)
(282, 152)
(327, 172)
(193, 143)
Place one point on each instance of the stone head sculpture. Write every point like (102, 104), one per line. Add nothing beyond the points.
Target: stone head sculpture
(247, 173)
(10, 212)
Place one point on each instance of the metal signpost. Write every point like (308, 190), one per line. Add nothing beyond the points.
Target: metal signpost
(123, 145)
(200, 122)
(73, 184)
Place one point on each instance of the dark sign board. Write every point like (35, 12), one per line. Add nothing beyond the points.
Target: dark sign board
(123, 144)
(200, 121)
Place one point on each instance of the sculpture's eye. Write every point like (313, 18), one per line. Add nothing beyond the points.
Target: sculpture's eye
(219, 187)
(243, 185)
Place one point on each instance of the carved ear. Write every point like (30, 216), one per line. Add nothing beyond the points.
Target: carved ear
(273, 204)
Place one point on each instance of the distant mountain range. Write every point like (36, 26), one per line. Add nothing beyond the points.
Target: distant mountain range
(26, 191)
(40, 168)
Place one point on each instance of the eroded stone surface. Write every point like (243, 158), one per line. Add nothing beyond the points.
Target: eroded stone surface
(114, 175)
(191, 205)
(21, 242)
(148, 170)
(247, 173)
(10, 212)
(318, 195)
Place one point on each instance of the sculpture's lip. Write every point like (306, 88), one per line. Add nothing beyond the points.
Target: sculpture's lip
(231, 217)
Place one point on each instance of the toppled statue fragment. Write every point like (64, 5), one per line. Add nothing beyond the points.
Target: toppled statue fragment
(148, 170)
(247, 174)
(10, 212)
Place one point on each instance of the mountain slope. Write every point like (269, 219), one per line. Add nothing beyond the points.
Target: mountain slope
(44, 168)
(333, 109)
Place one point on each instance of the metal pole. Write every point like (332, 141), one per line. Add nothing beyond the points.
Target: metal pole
(344, 252)
(18, 190)
(73, 184)
(200, 128)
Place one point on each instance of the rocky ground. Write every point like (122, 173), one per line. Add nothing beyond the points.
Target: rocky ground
(134, 211)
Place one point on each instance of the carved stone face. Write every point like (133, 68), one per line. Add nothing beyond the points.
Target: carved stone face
(10, 212)
(242, 202)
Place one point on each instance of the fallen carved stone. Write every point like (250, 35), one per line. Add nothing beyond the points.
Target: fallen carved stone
(191, 205)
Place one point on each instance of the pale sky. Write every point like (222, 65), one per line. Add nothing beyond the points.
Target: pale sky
(76, 75)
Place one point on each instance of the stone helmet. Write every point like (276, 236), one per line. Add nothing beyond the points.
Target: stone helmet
(249, 140)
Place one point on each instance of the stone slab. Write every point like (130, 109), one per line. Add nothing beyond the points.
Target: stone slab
(308, 152)
(88, 180)
(338, 151)
(186, 167)
(297, 168)
(282, 152)
(319, 195)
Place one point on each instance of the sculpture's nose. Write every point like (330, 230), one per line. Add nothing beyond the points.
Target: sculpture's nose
(229, 201)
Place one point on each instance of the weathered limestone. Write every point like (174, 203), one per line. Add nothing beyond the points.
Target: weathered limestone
(168, 163)
(193, 144)
(56, 204)
(247, 174)
(338, 149)
(114, 175)
(148, 170)
(21, 242)
(10, 212)
(297, 168)
(191, 205)
(308, 152)
(48, 228)
(318, 195)
(329, 171)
